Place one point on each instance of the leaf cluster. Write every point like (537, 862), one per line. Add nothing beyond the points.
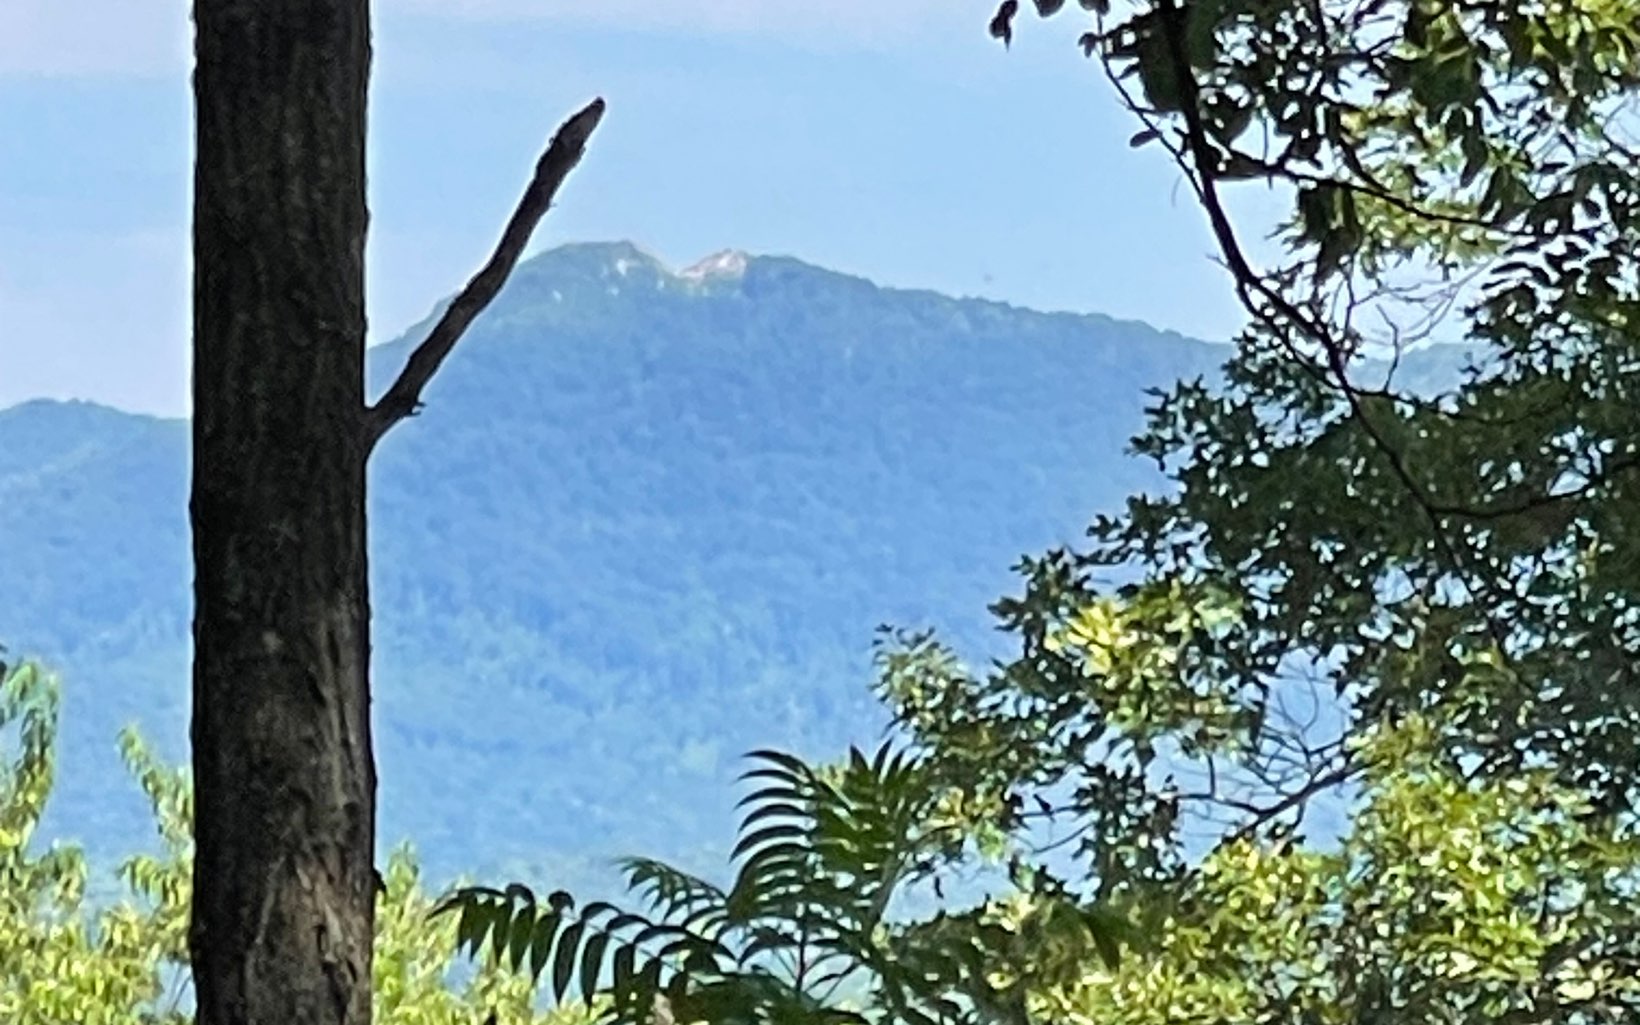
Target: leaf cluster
(1462, 549)
(70, 956)
(808, 930)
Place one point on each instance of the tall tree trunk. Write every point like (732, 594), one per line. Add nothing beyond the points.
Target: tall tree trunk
(285, 782)
(284, 901)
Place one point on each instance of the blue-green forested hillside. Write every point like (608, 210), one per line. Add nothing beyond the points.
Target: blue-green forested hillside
(648, 519)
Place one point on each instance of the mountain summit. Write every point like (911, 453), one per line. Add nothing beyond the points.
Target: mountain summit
(727, 263)
(647, 520)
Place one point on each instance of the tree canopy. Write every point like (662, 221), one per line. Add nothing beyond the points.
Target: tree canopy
(1415, 604)
(1419, 602)
(1457, 170)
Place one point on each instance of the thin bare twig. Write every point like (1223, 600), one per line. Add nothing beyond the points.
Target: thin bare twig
(403, 399)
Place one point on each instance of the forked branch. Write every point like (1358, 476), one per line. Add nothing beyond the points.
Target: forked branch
(403, 399)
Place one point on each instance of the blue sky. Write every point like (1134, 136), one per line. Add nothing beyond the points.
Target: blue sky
(889, 139)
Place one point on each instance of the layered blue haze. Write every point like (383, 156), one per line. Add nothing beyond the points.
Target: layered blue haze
(648, 520)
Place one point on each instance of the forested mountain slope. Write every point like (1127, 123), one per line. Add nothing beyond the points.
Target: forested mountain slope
(648, 519)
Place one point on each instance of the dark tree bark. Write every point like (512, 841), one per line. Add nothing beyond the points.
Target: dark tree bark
(285, 816)
(284, 901)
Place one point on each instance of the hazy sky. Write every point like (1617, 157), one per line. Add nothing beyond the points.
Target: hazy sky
(893, 140)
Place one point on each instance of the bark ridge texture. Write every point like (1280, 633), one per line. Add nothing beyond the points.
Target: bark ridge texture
(284, 915)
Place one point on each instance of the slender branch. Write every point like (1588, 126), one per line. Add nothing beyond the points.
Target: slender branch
(403, 399)
(1343, 773)
(1069, 838)
(1369, 187)
(1534, 502)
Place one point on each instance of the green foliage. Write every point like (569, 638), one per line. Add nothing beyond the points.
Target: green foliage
(805, 933)
(1472, 557)
(1451, 893)
(1449, 900)
(1457, 170)
(413, 960)
(1424, 605)
(59, 963)
(65, 962)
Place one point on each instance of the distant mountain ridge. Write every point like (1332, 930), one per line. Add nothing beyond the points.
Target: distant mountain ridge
(647, 520)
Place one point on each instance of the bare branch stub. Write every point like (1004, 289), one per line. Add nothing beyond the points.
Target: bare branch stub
(563, 153)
